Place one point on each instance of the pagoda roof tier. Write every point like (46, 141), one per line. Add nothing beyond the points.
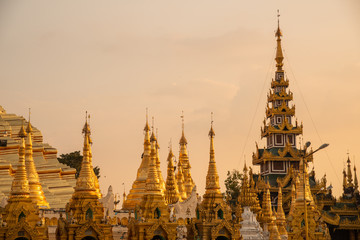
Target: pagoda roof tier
(345, 209)
(285, 127)
(281, 83)
(282, 95)
(286, 153)
(281, 110)
(349, 220)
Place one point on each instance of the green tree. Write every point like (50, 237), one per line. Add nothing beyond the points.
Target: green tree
(74, 160)
(233, 185)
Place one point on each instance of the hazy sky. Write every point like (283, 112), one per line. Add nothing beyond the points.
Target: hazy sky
(116, 58)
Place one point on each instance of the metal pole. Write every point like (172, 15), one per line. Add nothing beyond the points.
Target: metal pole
(305, 205)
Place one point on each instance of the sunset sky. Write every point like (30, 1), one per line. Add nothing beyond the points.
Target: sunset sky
(116, 58)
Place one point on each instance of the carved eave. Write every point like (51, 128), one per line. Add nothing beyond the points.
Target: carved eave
(344, 210)
(285, 127)
(281, 83)
(287, 153)
(333, 220)
(281, 110)
(285, 180)
(282, 95)
(288, 149)
(349, 224)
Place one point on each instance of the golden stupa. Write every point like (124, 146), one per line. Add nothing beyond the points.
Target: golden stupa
(214, 218)
(84, 212)
(138, 188)
(21, 213)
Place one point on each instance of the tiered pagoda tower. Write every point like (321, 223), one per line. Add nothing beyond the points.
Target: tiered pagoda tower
(280, 127)
(21, 214)
(279, 160)
(84, 211)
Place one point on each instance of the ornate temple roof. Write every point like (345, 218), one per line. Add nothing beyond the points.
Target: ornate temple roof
(57, 179)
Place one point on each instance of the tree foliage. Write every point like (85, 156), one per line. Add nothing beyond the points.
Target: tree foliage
(233, 185)
(74, 160)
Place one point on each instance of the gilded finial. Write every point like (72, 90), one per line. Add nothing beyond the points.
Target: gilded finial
(147, 128)
(183, 140)
(22, 132)
(152, 137)
(212, 133)
(182, 118)
(29, 128)
(212, 118)
(356, 184)
(170, 145)
(348, 174)
(279, 55)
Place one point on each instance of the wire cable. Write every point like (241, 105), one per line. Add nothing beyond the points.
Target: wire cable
(271, 66)
(308, 111)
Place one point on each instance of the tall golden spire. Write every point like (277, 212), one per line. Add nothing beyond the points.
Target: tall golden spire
(36, 192)
(20, 184)
(171, 193)
(138, 188)
(268, 218)
(184, 161)
(267, 215)
(356, 184)
(279, 55)
(213, 209)
(87, 131)
(85, 182)
(153, 202)
(84, 207)
(349, 174)
(21, 214)
(212, 178)
(280, 216)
